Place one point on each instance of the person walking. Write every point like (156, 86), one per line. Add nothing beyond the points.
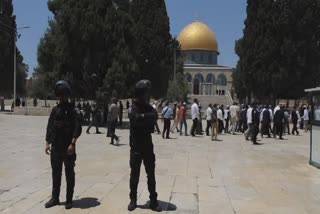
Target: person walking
(142, 118)
(266, 121)
(286, 125)
(194, 116)
(183, 119)
(234, 110)
(227, 119)
(306, 119)
(255, 124)
(199, 130)
(156, 124)
(94, 120)
(249, 132)
(214, 124)
(176, 121)
(220, 119)
(278, 123)
(113, 121)
(295, 118)
(120, 112)
(166, 114)
(63, 130)
(209, 119)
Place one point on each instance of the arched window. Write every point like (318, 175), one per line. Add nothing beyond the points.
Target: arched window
(199, 77)
(188, 77)
(210, 79)
(222, 80)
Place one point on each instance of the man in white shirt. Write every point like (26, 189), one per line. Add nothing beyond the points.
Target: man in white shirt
(195, 116)
(220, 119)
(271, 118)
(209, 119)
(249, 131)
(277, 108)
(234, 109)
(306, 118)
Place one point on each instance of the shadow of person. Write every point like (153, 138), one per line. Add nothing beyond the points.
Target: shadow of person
(85, 203)
(165, 206)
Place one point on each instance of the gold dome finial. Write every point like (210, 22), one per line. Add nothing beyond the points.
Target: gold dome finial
(198, 36)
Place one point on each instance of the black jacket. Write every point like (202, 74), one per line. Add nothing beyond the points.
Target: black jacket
(142, 121)
(63, 125)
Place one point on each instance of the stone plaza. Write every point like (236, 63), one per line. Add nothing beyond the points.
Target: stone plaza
(194, 175)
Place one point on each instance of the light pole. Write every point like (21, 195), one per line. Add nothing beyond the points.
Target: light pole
(14, 60)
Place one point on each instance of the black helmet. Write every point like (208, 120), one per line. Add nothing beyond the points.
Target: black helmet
(142, 87)
(62, 88)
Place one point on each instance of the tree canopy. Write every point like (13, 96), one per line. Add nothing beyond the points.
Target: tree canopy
(103, 47)
(279, 50)
(7, 35)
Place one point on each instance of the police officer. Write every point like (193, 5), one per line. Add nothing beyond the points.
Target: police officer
(142, 121)
(63, 130)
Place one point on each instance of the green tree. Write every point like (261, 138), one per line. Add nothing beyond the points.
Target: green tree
(110, 41)
(7, 36)
(154, 46)
(278, 52)
(178, 90)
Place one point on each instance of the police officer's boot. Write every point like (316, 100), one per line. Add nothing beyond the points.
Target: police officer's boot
(52, 202)
(69, 201)
(68, 205)
(154, 205)
(132, 205)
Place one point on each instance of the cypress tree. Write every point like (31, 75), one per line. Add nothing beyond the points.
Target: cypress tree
(7, 36)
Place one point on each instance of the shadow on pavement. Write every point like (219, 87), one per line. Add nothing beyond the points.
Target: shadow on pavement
(165, 206)
(86, 203)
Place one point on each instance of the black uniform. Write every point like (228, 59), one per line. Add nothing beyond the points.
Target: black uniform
(142, 121)
(63, 126)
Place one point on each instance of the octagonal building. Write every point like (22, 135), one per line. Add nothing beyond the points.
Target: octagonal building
(202, 71)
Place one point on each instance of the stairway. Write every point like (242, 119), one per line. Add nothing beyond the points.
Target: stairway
(216, 99)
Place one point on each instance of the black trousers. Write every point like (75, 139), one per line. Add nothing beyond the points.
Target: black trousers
(93, 123)
(220, 126)
(120, 118)
(255, 132)
(166, 127)
(112, 130)
(295, 128)
(209, 122)
(227, 126)
(240, 126)
(56, 164)
(265, 129)
(278, 129)
(194, 126)
(148, 158)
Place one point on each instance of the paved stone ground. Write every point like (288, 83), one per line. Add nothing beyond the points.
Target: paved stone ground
(194, 175)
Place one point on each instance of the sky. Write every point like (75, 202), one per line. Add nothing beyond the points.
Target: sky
(224, 17)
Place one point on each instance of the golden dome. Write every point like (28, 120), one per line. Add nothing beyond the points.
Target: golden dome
(198, 36)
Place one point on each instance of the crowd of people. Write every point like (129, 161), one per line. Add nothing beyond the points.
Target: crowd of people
(110, 116)
(251, 120)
